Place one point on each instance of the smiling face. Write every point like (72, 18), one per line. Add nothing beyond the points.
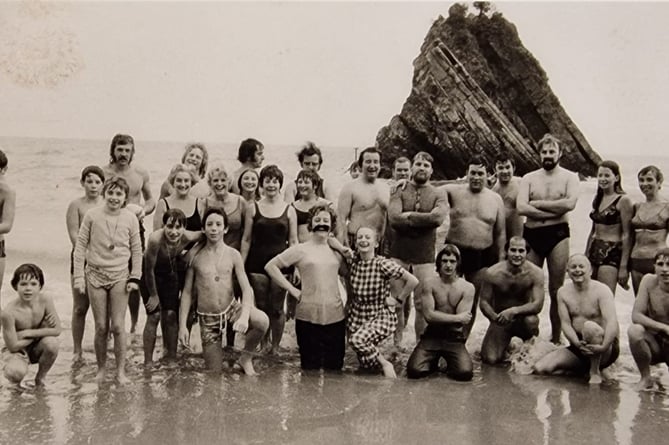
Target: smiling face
(504, 171)
(477, 177)
(182, 183)
(219, 184)
(578, 269)
(249, 181)
(115, 198)
(517, 252)
(648, 184)
(271, 186)
(365, 240)
(194, 158)
(173, 231)
(305, 187)
(321, 223)
(371, 164)
(606, 179)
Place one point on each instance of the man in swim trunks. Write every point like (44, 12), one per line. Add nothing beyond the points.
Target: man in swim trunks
(7, 207)
(211, 274)
(649, 335)
(512, 295)
(545, 197)
(414, 213)
(447, 307)
(507, 187)
(250, 155)
(30, 325)
(121, 152)
(363, 202)
(310, 158)
(589, 321)
(477, 225)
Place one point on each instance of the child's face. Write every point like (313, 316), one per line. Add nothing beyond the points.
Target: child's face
(365, 239)
(271, 186)
(219, 184)
(92, 185)
(28, 287)
(249, 182)
(173, 231)
(115, 198)
(182, 183)
(214, 227)
(305, 187)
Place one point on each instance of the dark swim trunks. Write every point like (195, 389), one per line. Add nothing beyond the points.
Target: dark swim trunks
(585, 360)
(473, 260)
(544, 239)
(605, 253)
(2, 249)
(642, 265)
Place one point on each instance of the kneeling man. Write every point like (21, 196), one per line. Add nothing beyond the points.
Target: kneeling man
(512, 295)
(588, 320)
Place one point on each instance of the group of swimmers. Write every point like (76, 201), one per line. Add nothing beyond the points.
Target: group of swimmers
(226, 250)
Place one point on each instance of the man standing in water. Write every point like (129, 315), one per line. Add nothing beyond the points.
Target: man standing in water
(477, 225)
(512, 295)
(507, 187)
(121, 152)
(7, 206)
(363, 202)
(649, 335)
(545, 197)
(589, 321)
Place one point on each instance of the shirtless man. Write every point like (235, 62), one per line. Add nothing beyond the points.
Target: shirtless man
(7, 207)
(211, 274)
(447, 308)
(30, 325)
(545, 196)
(512, 295)
(507, 187)
(363, 202)
(415, 211)
(121, 152)
(477, 225)
(649, 335)
(250, 155)
(310, 158)
(589, 321)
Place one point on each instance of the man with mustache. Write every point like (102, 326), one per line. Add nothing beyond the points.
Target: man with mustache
(507, 187)
(477, 225)
(414, 213)
(545, 197)
(121, 152)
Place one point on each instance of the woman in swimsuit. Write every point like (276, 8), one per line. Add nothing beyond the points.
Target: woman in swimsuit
(307, 182)
(270, 228)
(649, 225)
(609, 244)
(233, 205)
(182, 178)
(248, 184)
(196, 157)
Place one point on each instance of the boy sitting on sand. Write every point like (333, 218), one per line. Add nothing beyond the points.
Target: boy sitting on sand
(30, 324)
(211, 274)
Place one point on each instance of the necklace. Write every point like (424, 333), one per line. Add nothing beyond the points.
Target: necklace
(112, 241)
(172, 258)
(218, 263)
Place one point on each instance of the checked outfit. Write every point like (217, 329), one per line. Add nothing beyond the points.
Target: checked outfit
(369, 320)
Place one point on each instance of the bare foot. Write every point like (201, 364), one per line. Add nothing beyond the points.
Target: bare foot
(645, 383)
(100, 376)
(77, 357)
(39, 383)
(246, 362)
(122, 379)
(595, 379)
(388, 368)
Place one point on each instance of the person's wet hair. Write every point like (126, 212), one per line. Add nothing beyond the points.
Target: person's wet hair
(449, 249)
(27, 270)
(121, 139)
(239, 182)
(309, 149)
(311, 176)
(3, 160)
(182, 168)
(117, 182)
(92, 169)
(205, 156)
(174, 216)
(247, 150)
(661, 253)
(364, 152)
(214, 211)
(318, 208)
(659, 177)
(617, 186)
(270, 172)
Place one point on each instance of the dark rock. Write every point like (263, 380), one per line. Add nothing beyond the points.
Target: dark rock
(476, 89)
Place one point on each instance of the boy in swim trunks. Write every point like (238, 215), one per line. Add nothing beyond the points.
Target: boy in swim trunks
(649, 335)
(211, 273)
(7, 206)
(26, 340)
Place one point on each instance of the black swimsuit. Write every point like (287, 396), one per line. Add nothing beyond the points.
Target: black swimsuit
(193, 222)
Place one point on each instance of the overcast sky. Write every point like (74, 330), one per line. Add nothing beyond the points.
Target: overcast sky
(289, 72)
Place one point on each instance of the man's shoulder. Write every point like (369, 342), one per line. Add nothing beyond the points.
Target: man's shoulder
(463, 285)
(5, 188)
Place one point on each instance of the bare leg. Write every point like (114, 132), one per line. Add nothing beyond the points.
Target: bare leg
(149, 337)
(643, 346)
(387, 367)
(277, 319)
(48, 351)
(422, 272)
(607, 275)
(133, 304)
(2, 274)
(594, 334)
(79, 310)
(98, 298)
(495, 342)
(170, 327)
(557, 267)
(636, 281)
(260, 285)
(118, 298)
(475, 279)
(258, 325)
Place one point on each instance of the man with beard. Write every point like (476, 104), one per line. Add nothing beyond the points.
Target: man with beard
(363, 202)
(250, 155)
(507, 187)
(415, 211)
(310, 158)
(589, 321)
(545, 196)
(477, 225)
(512, 295)
(121, 152)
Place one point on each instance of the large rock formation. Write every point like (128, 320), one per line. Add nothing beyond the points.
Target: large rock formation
(477, 89)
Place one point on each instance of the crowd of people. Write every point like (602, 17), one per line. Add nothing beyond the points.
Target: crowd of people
(242, 253)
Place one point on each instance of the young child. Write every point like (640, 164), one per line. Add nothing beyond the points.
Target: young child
(211, 274)
(371, 314)
(162, 282)
(354, 170)
(92, 178)
(27, 339)
(7, 207)
(108, 241)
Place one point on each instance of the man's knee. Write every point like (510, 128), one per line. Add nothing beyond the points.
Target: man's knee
(49, 346)
(16, 369)
(117, 328)
(101, 328)
(532, 324)
(636, 333)
(258, 321)
(592, 332)
(168, 317)
(80, 308)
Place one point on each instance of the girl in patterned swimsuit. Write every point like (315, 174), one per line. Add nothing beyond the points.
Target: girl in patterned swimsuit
(609, 242)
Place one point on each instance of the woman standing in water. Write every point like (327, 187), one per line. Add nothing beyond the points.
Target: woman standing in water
(649, 225)
(196, 157)
(248, 185)
(269, 229)
(307, 182)
(609, 243)
(181, 180)
(107, 242)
